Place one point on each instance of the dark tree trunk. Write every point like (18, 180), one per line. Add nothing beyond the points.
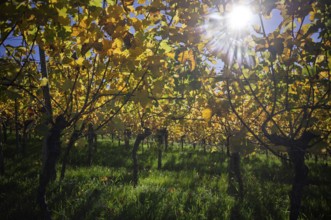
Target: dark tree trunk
(73, 138)
(297, 157)
(24, 141)
(5, 137)
(10, 130)
(49, 166)
(91, 137)
(227, 144)
(2, 159)
(119, 141)
(235, 175)
(17, 134)
(161, 141)
(26, 126)
(203, 143)
(95, 145)
(112, 137)
(166, 141)
(127, 136)
(140, 137)
(51, 141)
(182, 142)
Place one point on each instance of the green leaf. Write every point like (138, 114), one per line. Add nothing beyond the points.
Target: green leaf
(165, 46)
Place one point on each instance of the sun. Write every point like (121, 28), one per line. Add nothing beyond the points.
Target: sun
(239, 17)
(228, 32)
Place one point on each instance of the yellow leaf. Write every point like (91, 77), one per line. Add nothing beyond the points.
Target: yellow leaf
(206, 114)
(171, 55)
(117, 43)
(141, 2)
(266, 69)
(165, 46)
(320, 58)
(117, 51)
(187, 56)
(75, 31)
(201, 46)
(80, 61)
(324, 75)
(257, 28)
(43, 81)
(128, 2)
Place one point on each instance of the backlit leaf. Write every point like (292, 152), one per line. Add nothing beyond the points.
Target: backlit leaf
(207, 114)
(43, 81)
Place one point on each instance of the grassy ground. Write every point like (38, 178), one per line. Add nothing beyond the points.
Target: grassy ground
(191, 185)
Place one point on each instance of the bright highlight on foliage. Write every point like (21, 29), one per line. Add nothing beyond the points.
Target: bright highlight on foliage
(239, 17)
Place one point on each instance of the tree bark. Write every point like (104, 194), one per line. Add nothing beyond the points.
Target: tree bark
(4, 126)
(297, 156)
(140, 137)
(166, 141)
(235, 174)
(91, 142)
(49, 166)
(26, 125)
(182, 142)
(227, 144)
(127, 136)
(51, 141)
(2, 159)
(73, 138)
(161, 141)
(17, 134)
(203, 143)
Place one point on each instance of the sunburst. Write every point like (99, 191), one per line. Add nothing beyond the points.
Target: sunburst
(226, 33)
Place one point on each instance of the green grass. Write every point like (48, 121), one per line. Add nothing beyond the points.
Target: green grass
(191, 185)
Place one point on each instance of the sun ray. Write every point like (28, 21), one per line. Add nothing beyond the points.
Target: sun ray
(227, 32)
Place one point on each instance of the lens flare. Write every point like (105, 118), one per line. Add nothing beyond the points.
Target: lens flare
(228, 34)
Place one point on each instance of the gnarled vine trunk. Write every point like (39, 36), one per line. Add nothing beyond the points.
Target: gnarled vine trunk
(140, 137)
(127, 136)
(235, 175)
(91, 140)
(297, 156)
(166, 139)
(4, 126)
(227, 144)
(73, 138)
(2, 159)
(49, 164)
(17, 133)
(161, 135)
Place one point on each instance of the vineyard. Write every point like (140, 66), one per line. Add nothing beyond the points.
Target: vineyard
(163, 109)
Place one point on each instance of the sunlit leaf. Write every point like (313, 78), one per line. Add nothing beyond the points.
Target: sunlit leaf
(44, 81)
(207, 114)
